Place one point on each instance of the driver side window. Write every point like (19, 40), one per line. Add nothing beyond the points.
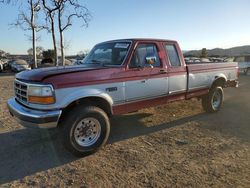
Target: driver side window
(141, 53)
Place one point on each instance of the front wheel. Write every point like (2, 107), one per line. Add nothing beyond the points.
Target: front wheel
(85, 130)
(213, 101)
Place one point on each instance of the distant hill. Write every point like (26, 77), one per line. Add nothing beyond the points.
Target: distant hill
(231, 52)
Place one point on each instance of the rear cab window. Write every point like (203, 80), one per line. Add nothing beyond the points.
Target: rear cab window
(172, 55)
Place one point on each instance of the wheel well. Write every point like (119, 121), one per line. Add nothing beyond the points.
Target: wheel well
(219, 82)
(94, 101)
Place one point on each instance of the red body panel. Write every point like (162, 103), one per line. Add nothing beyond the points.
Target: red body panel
(38, 75)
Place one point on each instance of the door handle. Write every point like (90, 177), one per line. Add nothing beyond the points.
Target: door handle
(163, 71)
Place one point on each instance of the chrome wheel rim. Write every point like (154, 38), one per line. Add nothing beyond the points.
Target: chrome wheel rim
(216, 100)
(87, 132)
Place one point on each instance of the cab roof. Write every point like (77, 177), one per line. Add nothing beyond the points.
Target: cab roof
(142, 40)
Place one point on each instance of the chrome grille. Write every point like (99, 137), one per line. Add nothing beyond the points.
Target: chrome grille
(21, 91)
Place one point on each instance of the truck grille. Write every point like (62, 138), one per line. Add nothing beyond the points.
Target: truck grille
(21, 91)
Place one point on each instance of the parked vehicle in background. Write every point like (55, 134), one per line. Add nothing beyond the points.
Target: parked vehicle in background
(244, 67)
(205, 60)
(192, 60)
(77, 62)
(1, 66)
(67, 62)
(19, 65)
(117, 77)
(31, 63)
(229, 59)
(47, 61)
(9, 63)
(244, 64)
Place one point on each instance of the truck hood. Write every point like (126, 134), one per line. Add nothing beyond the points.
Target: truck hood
(38, 75)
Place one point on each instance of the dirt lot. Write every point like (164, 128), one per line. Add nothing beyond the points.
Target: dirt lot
(169, 146)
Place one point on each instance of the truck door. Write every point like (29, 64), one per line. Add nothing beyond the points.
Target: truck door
(148, 79)
(177, 72)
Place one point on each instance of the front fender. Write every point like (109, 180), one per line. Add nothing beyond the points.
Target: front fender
(66, 96)
(84, 93)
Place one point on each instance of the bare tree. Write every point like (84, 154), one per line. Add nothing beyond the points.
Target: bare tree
(67, 11)
(39, 51)
(27, 21)
(50, 11)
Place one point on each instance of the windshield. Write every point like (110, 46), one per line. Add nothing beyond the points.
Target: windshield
(111, 53)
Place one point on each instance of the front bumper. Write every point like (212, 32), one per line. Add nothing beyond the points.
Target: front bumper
(33, 118)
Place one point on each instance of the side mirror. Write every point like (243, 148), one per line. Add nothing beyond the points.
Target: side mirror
(151, 60)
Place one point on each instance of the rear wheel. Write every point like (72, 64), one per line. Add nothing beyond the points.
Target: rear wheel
(86, 129)
(213, 101)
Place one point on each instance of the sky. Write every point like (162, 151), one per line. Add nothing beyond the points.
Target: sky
(195, 24)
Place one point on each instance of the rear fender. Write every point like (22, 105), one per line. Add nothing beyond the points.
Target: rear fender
(220, 80)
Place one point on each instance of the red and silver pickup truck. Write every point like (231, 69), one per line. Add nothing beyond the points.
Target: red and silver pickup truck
(116, 77)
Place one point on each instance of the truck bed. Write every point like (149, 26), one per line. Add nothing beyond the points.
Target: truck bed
(202, 75)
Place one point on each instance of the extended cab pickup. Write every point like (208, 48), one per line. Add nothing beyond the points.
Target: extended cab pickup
(116, 77)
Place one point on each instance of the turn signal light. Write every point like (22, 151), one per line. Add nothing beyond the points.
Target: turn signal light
(41, 100)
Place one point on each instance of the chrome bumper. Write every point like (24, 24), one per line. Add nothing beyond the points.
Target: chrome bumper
(33, 118)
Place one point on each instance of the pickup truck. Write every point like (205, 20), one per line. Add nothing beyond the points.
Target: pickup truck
(244, 67)
(117, 77)
(243, 64)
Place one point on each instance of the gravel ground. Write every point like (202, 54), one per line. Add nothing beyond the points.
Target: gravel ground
(177, 145)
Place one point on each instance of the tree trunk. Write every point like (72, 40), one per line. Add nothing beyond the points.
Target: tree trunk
(50, 12)
(33, 33)
(61, 37)
(34, 47)
(54, 41)
(62, 48)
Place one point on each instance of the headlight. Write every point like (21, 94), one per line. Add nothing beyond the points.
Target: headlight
(41, 94)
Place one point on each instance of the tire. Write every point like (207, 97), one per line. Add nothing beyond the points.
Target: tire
(85, 130)
(213, 101)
